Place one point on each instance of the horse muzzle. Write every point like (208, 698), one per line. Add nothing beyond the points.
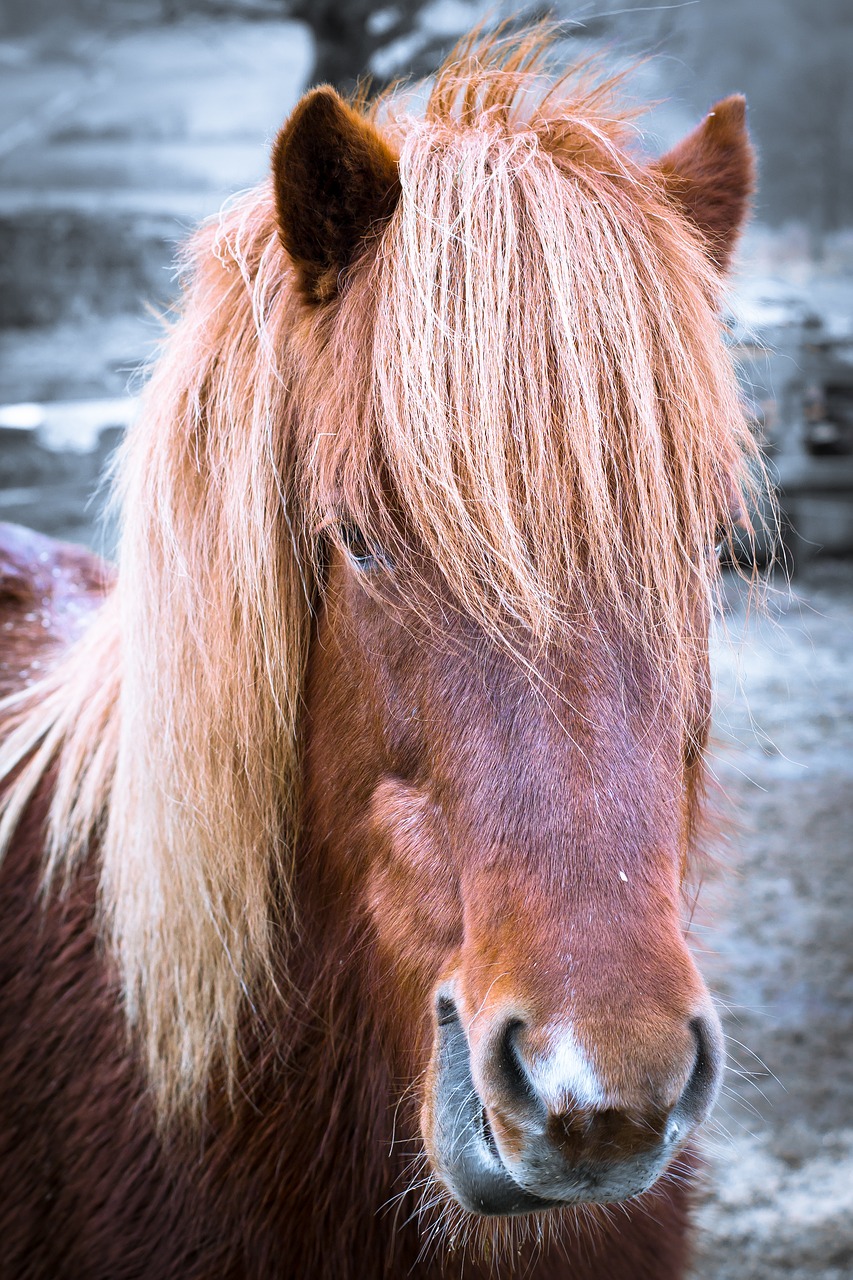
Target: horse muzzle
(515, 1150)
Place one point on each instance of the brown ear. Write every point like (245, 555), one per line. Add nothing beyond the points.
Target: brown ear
(335, 180)
(710, 174)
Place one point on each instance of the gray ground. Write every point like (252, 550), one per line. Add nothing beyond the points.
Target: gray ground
(776, 928)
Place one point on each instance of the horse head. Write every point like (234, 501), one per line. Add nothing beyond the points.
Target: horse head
(395, 716)
(508, 789)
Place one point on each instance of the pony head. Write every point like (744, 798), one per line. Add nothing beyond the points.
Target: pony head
(520, 437)
(408, 653)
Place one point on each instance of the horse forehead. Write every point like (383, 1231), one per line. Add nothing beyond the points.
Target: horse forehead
(592, 743)
(595, 695)
(594, 686)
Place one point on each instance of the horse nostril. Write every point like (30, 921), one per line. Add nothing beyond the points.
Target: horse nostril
(514, 1127)
(516, 1084)
(488, 1135)
(701, 1089)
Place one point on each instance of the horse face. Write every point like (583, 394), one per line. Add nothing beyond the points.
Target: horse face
(516, 842)
(513, 828)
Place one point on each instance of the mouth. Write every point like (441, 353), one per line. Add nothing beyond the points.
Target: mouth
(466, 1151)
(468, 1158)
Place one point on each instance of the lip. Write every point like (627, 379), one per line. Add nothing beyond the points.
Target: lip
(466, 1153)
(468, 1160)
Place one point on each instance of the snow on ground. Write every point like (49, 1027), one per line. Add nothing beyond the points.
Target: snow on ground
(776, 938)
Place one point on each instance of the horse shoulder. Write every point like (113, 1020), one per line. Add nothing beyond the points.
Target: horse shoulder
(86, 1187)
(48, 592)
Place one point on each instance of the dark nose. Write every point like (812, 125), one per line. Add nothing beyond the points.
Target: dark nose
(554, 1120)
(516, 1127)
(566, 1078)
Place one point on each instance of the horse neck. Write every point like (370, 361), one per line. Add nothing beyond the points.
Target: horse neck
(308, 1138)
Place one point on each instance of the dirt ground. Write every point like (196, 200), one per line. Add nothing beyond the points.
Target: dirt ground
(775, 936)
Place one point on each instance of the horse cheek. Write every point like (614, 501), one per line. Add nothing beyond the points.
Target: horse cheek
(412, 893)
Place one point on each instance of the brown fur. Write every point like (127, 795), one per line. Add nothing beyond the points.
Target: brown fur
(306, 1173)
(283, 796)
(48, 593)
(335, 181)
(711, 174)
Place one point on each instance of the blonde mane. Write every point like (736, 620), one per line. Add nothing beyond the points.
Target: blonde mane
(526, 371)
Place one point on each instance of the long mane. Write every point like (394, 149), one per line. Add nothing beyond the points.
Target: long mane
(527, 370)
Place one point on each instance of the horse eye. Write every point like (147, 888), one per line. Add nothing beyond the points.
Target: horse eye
(722, 543)
(363, 555)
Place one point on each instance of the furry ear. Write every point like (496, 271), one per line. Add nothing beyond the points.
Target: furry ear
(335, 180)
(710, 175)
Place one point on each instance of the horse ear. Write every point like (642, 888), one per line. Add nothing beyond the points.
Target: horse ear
(335, 180)
(710, 174)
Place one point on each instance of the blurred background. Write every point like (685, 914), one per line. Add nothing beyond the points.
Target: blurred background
(124, 122)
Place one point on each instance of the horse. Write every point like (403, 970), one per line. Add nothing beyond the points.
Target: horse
(347, 822)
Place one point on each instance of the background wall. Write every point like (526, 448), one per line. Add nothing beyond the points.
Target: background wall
(792, 57)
